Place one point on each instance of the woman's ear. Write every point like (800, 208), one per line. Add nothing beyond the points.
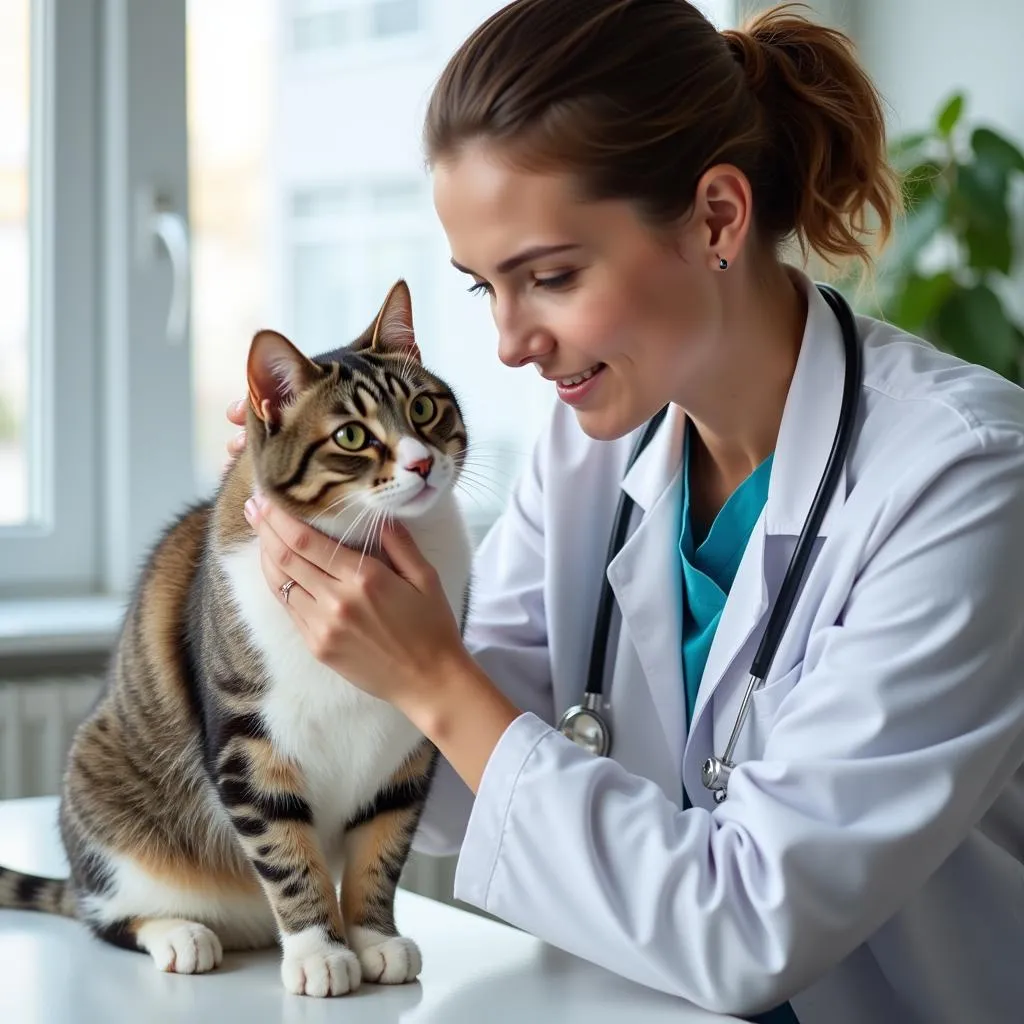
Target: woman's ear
(723, 209)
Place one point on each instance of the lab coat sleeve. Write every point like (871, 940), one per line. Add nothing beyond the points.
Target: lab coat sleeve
(907, 722)
(506, 633)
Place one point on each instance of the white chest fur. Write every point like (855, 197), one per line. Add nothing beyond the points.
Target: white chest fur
(346, 742)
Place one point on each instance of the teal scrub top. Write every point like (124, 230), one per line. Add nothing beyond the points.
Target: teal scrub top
(709, 567)
(710, 564)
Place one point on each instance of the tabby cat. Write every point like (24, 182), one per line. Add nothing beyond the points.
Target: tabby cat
(226, 782)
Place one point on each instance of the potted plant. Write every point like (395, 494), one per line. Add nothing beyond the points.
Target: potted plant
(948, 269)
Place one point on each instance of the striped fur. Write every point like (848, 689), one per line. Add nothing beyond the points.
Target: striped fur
(226, 782)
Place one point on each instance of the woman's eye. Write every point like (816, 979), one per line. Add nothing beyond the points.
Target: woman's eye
(556, 281)
(479, 288)
(421, 410)
(351, 437)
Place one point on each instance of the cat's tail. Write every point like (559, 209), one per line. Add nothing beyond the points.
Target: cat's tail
(19, 891)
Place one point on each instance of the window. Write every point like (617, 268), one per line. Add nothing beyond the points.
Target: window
(346, 249)
(394, 17)
(308, 204)
(48, 468)
(15, 350)
(321, 30)
(306, 198)
(325, 25)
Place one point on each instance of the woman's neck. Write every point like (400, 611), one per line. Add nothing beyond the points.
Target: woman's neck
(738, 412)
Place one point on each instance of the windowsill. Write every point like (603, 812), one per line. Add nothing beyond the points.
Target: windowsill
(89, 625)
(65, 625)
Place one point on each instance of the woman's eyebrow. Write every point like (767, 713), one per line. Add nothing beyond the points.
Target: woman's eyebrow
(533, 253)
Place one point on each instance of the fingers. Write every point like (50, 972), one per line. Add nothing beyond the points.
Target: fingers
(406, 558)
(277, 534)
(298, 600)
(236, 412)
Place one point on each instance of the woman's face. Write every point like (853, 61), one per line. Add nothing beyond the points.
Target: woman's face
(619, 318)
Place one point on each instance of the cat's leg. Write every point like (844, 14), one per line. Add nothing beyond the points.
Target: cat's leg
(376, 849)
(274, 823)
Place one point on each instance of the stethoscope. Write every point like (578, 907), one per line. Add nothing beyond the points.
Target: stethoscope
(584, 723)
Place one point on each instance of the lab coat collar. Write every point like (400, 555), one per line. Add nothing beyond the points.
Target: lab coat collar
(809, 422)
(657, 465)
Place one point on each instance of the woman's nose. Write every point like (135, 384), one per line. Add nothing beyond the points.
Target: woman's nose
(519, 345)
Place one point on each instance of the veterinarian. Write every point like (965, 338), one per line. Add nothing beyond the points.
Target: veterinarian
(841, 840)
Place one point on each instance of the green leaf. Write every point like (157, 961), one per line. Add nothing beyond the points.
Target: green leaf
(991, 148)
(913, 305)
(971, 322)
(950, 114)
(979, 196)
(989, 247)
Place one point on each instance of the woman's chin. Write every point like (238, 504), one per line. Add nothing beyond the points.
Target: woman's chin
(606, 424)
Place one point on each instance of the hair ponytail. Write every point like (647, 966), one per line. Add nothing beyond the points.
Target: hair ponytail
(824, 165)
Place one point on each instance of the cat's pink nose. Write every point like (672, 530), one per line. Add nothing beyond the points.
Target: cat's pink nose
(422, 466)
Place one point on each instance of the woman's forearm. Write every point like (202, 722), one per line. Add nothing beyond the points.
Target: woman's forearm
(464, 714)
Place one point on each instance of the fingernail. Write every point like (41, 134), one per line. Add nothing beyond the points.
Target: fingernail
(237, 407)
(250, 510)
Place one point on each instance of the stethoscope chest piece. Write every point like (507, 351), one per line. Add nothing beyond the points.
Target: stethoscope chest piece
(714, 775)
(586, 726)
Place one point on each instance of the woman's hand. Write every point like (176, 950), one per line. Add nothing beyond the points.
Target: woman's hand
(236, 415)
(389, 631)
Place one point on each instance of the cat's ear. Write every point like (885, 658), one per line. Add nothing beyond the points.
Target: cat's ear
(392, 332)
(277, 373)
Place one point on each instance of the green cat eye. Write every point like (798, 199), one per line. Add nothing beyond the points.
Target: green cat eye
(351, 437)
(422, 410)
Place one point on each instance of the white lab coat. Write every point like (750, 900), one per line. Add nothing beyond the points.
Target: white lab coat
(868, 861)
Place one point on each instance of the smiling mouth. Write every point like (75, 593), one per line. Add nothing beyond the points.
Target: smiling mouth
(579, 378)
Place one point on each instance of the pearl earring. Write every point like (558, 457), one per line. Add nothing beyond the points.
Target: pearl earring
(722, 263)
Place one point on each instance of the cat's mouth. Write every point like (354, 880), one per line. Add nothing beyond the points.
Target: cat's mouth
(421, 499)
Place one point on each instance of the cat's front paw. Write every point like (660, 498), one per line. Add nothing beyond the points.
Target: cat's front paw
(386, 959)
(316, 966)
(181, 947)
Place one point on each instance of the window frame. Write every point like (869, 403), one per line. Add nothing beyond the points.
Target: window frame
(54, 548)
(113, 394)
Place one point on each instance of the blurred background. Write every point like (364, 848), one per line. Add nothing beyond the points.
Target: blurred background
(176, 175)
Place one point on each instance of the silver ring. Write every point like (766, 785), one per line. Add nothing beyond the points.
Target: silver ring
(286, 589)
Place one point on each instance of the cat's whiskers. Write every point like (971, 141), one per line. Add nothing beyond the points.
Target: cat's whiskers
(469, 483)
(344, 501)
(353, 526)
(377, 515)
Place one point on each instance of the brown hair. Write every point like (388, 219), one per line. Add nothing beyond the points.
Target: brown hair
(638, 98)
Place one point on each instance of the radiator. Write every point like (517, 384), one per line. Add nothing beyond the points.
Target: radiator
(37, 720)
